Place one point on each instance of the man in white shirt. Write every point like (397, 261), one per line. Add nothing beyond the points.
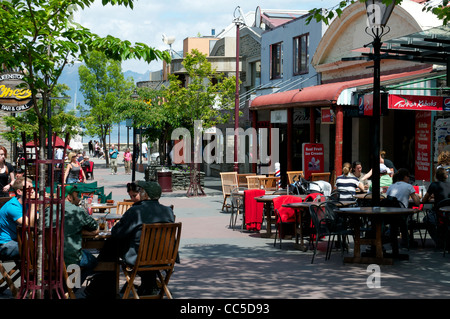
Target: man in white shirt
(144, 150)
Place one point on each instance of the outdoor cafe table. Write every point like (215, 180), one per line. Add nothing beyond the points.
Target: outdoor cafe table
(303, 208)
(102, 207)
(376, 214)
(267, 213)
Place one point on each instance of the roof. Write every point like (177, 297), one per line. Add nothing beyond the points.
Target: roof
(321, 95)
(274, 18)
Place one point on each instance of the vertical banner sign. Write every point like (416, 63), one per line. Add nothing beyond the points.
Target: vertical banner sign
(313, 159)
(423, 146)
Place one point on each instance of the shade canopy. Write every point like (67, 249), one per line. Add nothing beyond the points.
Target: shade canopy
(59, 142)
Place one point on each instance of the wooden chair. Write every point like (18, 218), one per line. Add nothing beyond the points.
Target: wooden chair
(229, 182)
(253, 182)
(242, 179)
(9, 277)
(122, 207)
(294, 176)
(53, 272)
(320, 177)
(158, 251)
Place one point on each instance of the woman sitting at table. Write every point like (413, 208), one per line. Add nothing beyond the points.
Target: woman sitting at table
(440, 190)
(133, 190)
(358, 173)
(348, 183)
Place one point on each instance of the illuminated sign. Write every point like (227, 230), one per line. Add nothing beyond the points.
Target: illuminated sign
(15, 96)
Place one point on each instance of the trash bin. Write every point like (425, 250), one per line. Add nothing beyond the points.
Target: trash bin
(165, 180)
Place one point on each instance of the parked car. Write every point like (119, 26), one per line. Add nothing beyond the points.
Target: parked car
(154, 157)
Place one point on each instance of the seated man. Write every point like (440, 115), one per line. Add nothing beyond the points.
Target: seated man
(125, 237)
(11, 215)
(76, 223)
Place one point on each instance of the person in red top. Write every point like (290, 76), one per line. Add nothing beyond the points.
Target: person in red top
(127, 161)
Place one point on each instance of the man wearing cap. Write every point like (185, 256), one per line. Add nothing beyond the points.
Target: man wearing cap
(125, 237)
(11, 215)
(76, 223)
(385, 178)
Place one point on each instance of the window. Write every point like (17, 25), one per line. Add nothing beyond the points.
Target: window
(276, 61)
(301, 56)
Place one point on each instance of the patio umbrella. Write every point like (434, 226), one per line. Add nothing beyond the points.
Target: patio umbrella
(59, 142)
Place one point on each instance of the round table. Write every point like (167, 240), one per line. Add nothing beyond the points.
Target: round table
(376, 214)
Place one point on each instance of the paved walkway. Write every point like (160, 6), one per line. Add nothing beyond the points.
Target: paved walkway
(217, 262)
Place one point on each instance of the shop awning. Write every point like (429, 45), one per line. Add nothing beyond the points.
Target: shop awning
(325, 94)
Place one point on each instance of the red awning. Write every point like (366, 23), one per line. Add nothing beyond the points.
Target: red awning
(58, 143)
(320, 95)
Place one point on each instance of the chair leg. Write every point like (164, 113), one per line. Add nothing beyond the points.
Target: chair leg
(9, 281)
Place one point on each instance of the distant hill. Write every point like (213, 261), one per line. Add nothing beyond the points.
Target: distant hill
(71, 79)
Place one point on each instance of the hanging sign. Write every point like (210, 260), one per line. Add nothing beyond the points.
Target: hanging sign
(416, 102)
(422, 169)
(313, 158)
(327, 115)
(15, 96)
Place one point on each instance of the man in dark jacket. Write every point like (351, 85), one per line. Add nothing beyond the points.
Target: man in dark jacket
(125, 238)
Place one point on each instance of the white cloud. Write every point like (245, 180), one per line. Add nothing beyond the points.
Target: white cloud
(180, 18)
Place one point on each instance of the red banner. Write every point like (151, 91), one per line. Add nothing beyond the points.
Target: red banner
(423, 146)
(416, 102)
(313, 159)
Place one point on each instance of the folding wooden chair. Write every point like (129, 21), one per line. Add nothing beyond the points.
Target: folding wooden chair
(9, 277)
(158, 251)
(229, 182)
(122, 207)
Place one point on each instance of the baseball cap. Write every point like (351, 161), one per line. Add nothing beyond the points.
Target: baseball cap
(70, 189)
(153, 189)
(383, 169)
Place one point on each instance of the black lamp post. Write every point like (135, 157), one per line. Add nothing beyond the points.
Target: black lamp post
(378, 14)
(238, 22)
(134, 96)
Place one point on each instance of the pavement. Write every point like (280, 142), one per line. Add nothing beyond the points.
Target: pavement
(221, 263)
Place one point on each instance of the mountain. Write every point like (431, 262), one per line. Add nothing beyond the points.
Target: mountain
(70, 77)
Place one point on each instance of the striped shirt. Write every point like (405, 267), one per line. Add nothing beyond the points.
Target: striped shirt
(347, 183)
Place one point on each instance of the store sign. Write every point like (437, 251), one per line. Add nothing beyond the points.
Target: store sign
(366, 104)
(422, 167)
(327, 115)
(15, 96)
(313, 158)
(417, 102)
(279, 116)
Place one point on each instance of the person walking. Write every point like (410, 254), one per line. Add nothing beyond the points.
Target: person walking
(91, 148)
(144, 150)
(73, 170)
(113, 152)
(127, 161)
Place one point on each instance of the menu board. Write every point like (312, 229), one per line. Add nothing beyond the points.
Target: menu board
(423, 146)
(313, 158)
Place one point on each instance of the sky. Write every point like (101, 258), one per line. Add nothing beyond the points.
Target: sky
(150, 19)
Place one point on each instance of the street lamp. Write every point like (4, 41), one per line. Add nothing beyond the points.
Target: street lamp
(238, 21)
(378, 14)
(134, 96)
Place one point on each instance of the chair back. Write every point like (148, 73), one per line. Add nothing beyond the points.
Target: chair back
(320, 177)
(237, 200)
(158, 246)
(242, 179)
(294, 176)
(391, 201)
(122, 207)
(319, 219)
(229, 181)
(253, 182)
(286, 214)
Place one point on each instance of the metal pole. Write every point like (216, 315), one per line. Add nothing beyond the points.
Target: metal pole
(376, 121)
(133, 171)
(236, 103)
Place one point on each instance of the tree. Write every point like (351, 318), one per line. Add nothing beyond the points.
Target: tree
(39, 40)
(439, 8)
(103, 85)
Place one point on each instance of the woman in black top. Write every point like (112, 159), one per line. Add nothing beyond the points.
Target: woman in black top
(6, 173)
